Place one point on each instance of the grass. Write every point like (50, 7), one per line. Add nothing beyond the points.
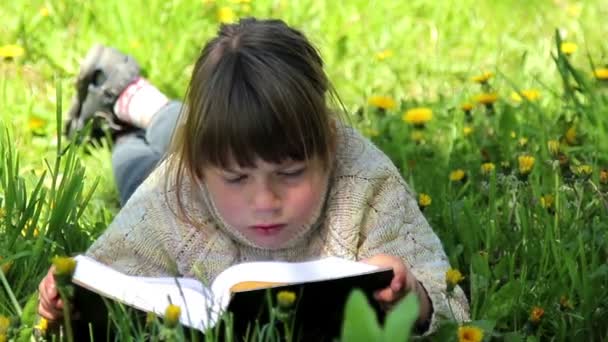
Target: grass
(516, 251)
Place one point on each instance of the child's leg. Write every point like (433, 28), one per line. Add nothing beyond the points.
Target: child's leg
(136, 155)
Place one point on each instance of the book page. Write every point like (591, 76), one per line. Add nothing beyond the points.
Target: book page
(150, 294)
(285, 273)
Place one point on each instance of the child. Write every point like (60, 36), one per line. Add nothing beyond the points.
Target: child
(258, 168)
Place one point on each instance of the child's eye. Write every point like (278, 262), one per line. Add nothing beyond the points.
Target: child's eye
(235, 179)
(293, 173)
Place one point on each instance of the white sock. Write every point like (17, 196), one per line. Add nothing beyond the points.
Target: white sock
(138, 103)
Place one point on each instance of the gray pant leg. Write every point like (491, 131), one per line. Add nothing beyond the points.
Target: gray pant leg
(135, 156)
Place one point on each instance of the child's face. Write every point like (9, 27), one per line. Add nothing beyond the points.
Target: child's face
(268, 203)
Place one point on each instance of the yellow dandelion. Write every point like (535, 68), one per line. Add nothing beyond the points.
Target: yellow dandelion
(486, 98)
(526, 163)
(584, 170)
(547, 201)
(571, 135)
(172, 313)
(44, 12)
(530, 94)
(11, 51)
(418, 116)
(64, 266)
(467, 130)
(383, 102)
(225, 15)
(522, 141)
(601, 74)
(469, 333)
(487, 168)
(568, 48)
(457, 175)
(285, 299)
(42, 326)
(453, 277)
(35, 123)
(384, 54)
(482, 78)
(604, 176)
(515, 97)
(536, 314)
(417, 136)
(424, 200)
(466, 107)
(4, 324)
(553, 146)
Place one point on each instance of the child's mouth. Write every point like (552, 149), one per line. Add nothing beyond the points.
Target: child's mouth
(268, 229)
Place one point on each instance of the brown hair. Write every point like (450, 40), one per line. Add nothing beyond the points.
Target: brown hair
(258, 90)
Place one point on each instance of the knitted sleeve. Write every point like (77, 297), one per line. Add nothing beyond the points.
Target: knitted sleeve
(135, 241)
(394, 225)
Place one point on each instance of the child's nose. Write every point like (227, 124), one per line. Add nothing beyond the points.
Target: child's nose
(266, 198)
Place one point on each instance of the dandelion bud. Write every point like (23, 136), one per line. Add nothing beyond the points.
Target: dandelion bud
(172, 314)
(536, 314)
(286, 299)
(553, 146)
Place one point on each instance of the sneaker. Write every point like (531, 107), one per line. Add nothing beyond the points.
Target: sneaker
(104, 74)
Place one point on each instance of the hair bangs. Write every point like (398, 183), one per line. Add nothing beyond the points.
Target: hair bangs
(261, 116)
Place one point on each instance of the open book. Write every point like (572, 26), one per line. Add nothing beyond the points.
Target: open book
(241, 289)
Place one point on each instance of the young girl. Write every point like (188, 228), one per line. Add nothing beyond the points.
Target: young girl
(259, 168)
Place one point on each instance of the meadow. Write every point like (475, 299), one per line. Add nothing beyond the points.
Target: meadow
(494, 111)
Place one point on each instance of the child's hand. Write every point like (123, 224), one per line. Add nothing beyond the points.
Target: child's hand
(50, 305)
(403, 281)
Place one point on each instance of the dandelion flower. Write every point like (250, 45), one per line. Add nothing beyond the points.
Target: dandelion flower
(553, 146)
(466, 107)
(225, 15)
(528, 94)
(4, 325)
(568, 48)
(584, 170)
(452, 278)
(44, 11)
(383, 102)
(418, 116)
(469, 333)
(526, 163)
(457, 175)
(384, 54)
(467, 130)
(601, 74)
(424, 200)
(36, 123)
(536, 314)
(285, 299)
(172, 314)
(42, 326)
(487, 168)
(482, 78)
(64, 266)
(570, 135)
(11, 51)
(486, 99)
(547, 201)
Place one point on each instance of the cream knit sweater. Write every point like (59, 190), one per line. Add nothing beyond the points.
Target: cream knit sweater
(369, 209)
